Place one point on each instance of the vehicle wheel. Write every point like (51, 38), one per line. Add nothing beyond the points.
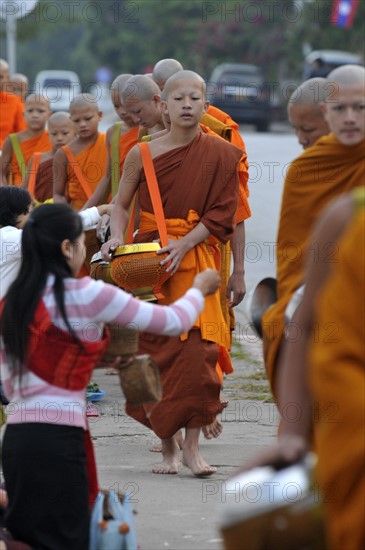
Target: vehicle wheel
(262, 126)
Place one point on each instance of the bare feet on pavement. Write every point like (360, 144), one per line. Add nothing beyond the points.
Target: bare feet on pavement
(179, 439)
(212, 430)
(192, 457)
(171, 458)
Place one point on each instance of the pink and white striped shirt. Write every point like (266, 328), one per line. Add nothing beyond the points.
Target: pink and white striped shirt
(89, 305)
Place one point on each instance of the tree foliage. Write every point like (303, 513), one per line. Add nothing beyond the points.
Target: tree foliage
(131, 35)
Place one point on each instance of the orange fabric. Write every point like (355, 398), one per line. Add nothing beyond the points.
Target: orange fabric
(44, 181)
(11, 115)
(33, 174)
(337, 363)
(126, 142)
(92, 161)
(318, 175)
(203, 256)
(37, 144)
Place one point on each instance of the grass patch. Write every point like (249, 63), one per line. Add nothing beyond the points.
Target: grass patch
(238, 352)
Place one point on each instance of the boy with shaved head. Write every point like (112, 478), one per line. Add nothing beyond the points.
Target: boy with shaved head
(305, 113)
(19, 147)
(79, 166)
(333, 165)
(39, 176)
(11, 107)
(198, 182)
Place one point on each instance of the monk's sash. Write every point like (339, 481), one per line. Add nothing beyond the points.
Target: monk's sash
(115, 154)
(203, 256)
(54, 356)
(18, 154)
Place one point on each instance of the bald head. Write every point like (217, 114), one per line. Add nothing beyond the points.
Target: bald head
(182, 76)
(119, 82)
(139, 88)
(164, 69)
(37, 99)
(348, 75)
(20, 84)
(344, 107)
(4, 73)
(61, 129)
(59, 116)
(84, 101)
(305, 113)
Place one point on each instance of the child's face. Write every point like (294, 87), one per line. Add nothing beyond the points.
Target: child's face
(185, 103)
(86, 121)
(36, 114)
(75, 253)
(60, 133)
(345, 114)
(146, 113)
(120, 109)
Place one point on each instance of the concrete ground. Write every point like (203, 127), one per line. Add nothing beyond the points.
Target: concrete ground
(181, 511)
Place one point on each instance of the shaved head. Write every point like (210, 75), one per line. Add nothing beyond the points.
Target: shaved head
(139, 88)
(84, 101)
(182, 75)
(119, 82)
(348, 75)
(310, 92)
(59, 116)
(37, 98)
(164, 69)
(19, 77)
(4, 72)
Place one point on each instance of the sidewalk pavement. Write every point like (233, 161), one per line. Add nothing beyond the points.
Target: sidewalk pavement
(181, 511)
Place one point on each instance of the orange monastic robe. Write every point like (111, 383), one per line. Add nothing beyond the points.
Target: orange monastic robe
(11, 115)
(126, 141)
(92, 161)
(187, 364)
(318, 175)
(337, 375)
(37, 144)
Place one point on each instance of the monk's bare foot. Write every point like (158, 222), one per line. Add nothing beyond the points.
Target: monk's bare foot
(171, 458)
(179, 440)
(212, 430)
(224, 401)
(192, 457)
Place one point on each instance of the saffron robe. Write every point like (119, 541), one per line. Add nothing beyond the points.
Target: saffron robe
(126, 141)
(44, 181)
(37, 144)
(322, 172)
(92, 160)
(187, 364)
(337, 377)
(11, 115)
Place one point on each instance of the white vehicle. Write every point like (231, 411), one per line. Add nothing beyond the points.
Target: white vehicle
(59, 87)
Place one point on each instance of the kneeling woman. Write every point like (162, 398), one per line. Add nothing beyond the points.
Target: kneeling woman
(51, 338)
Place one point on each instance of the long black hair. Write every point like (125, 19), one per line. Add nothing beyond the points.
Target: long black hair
(14, 201)
(47, 227)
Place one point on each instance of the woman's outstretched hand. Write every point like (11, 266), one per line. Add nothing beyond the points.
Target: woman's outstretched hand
(207, 281)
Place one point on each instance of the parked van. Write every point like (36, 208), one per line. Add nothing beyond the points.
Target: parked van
(59, 87)
(239, 90)
(322, 62)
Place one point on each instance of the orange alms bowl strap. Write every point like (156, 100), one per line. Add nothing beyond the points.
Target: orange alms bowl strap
(14, 140)
(154, 191)
(33, 173)
(76, 167)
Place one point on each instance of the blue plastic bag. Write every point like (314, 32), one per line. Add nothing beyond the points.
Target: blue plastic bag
(117, 532)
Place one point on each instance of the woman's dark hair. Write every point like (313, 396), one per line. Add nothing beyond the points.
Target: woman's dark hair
(47, 227)
(14, 201)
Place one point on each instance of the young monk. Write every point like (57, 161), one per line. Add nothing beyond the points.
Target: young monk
(19, 147)
(79, 166)
(322, 374)
(120, 138)
(141, 101)
(333, 165)
(39, 176)
(11, 107)
(20, 85)
(197, 216)
(305, 113)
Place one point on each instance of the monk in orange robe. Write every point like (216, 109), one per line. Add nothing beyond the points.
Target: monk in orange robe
(120, 138)
(197, 216)
(321, 383)
(18, 148)
(79, 166)
(333, 165)
(39, 176)
(11, 107)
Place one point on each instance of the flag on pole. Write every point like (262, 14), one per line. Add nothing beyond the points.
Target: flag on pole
(343, 12)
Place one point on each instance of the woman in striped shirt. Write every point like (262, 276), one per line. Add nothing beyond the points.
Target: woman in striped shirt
(52, 335)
